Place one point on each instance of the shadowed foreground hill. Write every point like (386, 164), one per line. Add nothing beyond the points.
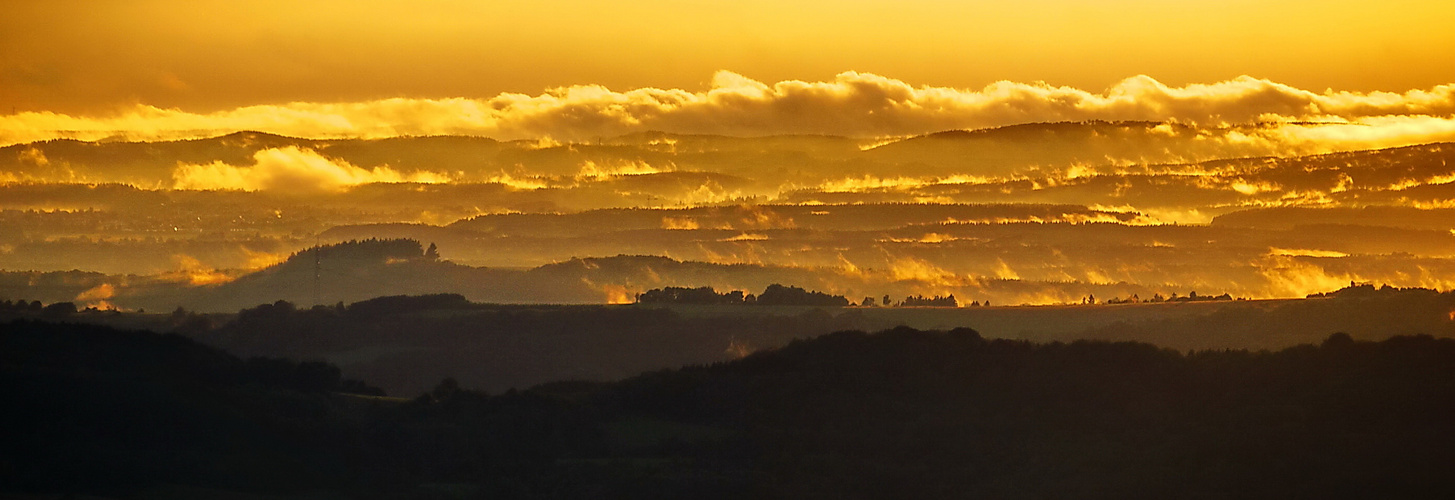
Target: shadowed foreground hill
(897, 414)
(93, 409)
(905, 413)
(407, 344)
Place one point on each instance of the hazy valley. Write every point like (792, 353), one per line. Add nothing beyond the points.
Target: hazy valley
(1030, 214)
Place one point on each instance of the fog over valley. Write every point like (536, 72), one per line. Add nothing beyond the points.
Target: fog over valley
(1028, 214)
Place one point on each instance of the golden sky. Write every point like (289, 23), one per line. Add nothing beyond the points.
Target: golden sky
(1235, 79)
(94, 57)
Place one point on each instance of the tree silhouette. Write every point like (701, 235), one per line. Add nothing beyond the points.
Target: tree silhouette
(58, 310)
(777, 294)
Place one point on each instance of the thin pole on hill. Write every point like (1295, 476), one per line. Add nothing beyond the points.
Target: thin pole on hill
(317, 269)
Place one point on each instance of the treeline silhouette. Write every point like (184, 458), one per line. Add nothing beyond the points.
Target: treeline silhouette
(34, 308)
(371, 249)
(781, 295)
(905, 413)
(774, 295)
(1363, 311)
(22, 305)
(1367, 290)
(700, 295)
(1158, 298)
(897, 414)
(936, 301)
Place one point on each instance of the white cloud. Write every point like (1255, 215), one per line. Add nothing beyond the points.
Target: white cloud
(291, 170)
(851, 104)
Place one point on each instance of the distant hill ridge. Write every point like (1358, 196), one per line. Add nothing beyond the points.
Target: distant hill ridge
(996, 150)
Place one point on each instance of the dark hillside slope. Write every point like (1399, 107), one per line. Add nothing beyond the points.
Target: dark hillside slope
(1016, 148)
(910, 414)
(91, 409)
(897, 414)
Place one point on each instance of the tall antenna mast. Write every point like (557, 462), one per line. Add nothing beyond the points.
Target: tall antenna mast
(317, 269)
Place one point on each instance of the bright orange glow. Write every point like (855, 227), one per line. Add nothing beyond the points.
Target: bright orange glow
(195, 273)
(617, 294)
(592, 171)
(1297, 252)
(747, 237)
(684, 223)
(97, 296)
(738, 349)
(259, 260)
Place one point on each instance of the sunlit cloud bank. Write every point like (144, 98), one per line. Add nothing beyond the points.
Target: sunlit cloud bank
(1271, 276)
(1417, 176)
(852, 104)
(290, 170)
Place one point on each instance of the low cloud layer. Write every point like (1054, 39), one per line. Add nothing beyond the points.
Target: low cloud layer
(289, 170)
(852, 104)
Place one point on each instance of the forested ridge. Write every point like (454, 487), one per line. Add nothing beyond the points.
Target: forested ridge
(900, 413)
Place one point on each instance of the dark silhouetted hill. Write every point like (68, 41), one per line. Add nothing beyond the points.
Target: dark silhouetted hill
(1018, 148)
(405, 344)
(910, 414)
(896, 414)
(95, 410)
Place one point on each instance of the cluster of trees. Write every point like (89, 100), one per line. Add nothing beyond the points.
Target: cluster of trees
(21, 305)
(919, 301)
(283, 311)
(936, 301)
(1135, 298)
(1365, 290)
(779, 295)
(701, 295)
(372, 249)
(775, 295)
(896, 414)
(35, 307)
